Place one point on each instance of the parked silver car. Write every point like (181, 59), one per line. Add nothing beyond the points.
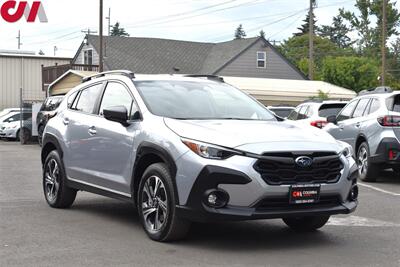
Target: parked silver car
(192, 149)
(314, 112)
(370, 123)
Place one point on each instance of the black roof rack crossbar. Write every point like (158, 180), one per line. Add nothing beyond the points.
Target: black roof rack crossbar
(208, 77)
(126, 73)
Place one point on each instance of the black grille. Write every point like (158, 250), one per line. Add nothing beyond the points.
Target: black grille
(280, 168)
(271, 204)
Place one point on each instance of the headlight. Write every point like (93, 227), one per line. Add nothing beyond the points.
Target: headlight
(347, 150)
(209, 151)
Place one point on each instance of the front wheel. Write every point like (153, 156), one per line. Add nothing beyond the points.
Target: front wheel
(306, 224)
(156, 205)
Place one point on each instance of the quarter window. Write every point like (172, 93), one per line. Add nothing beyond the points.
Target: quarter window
(347, 111)
(261, 60)
(117, 95)
(87, 98)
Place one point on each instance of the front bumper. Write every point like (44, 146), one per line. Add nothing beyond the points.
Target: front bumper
(269, 206)
(8, 133)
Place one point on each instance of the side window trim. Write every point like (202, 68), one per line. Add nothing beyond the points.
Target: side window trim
(368, 107)
(352, 112)
(359, 102)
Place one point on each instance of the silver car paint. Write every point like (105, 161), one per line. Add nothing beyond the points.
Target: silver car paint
(84, 154)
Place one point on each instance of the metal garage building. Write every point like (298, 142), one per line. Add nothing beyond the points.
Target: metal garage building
(19, 69)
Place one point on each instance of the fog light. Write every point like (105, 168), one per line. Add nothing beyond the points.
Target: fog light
(216, 198)
(212, 199)
(353, 193)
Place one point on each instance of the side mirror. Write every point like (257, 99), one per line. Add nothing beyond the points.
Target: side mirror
(117, 114)
(332, 119)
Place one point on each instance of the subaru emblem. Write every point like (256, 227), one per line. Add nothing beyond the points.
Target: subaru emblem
(304, 161)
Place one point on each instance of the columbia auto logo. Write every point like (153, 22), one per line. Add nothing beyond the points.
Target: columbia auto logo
(13, 11)
(304, 161)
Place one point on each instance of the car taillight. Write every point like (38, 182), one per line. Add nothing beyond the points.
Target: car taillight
(389, 121)
(319, 124)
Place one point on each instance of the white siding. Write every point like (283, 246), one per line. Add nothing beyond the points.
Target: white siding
(79, 59)
(25, 72)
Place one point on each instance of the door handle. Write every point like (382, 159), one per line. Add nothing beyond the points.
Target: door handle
(358, 125)
(66, 121)
(341, 127)
(92, 130)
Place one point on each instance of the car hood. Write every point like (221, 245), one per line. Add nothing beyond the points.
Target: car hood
(255, 136)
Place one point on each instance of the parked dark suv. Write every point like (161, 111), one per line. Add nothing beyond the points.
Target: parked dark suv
(47, 111)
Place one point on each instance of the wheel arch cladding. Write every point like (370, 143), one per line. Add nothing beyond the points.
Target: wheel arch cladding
(148, 154)
(50, 143)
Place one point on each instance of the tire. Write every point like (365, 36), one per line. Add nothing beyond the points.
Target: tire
(157, 212)
(17, 136)
(40, 135)
(367, 171)
(306, 224)
(56, 192)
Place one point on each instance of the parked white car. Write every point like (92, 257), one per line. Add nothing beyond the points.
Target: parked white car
(12, 129)
(315, 113)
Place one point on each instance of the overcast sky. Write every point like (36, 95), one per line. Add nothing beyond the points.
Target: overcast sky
(193, 20)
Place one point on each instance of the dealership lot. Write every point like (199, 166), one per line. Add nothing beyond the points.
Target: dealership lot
(99, 231)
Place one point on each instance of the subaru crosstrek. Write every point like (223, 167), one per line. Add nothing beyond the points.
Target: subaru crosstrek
(189, 149)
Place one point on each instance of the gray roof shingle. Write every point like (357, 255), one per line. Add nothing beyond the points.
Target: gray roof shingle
(154, 55)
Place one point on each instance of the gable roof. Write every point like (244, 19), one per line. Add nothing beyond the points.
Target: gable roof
(155, 55)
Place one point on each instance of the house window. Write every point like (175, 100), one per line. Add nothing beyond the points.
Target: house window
(261, 60)
(88, 57)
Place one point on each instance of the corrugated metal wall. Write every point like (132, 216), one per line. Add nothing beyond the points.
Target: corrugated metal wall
(25, 72)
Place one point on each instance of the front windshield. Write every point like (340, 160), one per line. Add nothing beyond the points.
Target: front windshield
(200, 100)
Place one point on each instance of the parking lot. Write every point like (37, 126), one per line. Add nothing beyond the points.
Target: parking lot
(98, 231)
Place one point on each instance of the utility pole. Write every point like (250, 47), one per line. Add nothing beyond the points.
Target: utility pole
(19, 40)
(55, 50)
(109, 21)
(383, 76)
(311, 42)
(101, 37)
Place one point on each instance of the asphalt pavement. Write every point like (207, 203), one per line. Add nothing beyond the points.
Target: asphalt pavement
(98, 231)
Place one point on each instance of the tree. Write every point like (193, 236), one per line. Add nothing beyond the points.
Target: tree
(262, 34)
(337, 33)
(356, 73)
(305, 27)
(118, 31)
(296, 50)
(239, 32)
(370, 34)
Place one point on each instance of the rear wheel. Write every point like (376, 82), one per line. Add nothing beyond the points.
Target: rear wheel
(396, 170)
(56, 191)
(156, 205)
(367, 171)
(306, 224)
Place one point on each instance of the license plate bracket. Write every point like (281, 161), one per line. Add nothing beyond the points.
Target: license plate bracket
(304, 193)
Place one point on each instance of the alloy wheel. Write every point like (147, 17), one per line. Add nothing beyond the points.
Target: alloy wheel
(52, 180)
(154, 202)
(362, 161)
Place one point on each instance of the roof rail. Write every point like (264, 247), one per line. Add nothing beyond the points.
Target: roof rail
(126, 73)
(377, 90)
(208, 77)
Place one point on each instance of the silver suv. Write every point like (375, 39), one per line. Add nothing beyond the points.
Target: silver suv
(189, 149)
(370, 123)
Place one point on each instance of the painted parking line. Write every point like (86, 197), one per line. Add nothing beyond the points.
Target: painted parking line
(360, 222)
(379, 189)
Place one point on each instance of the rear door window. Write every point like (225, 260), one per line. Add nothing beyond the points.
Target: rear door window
(294, 114)
(361, 106)
(302, 113)
(88, 98)
(374, 106)
(347, 112)
(396, 104)
(327, 110)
